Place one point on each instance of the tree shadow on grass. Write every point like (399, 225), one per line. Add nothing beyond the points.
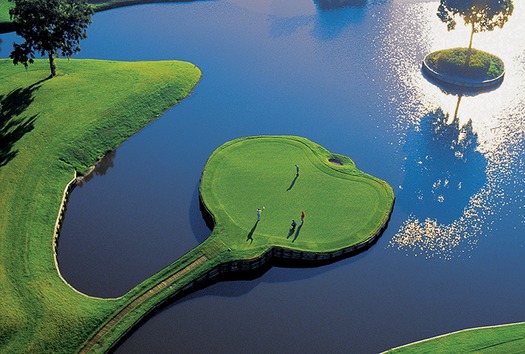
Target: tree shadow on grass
(13, 123)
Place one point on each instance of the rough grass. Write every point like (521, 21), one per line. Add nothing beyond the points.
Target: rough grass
(482, 65)
(49, 128)
(343, 205)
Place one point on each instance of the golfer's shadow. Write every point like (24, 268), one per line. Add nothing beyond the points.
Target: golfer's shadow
(250, 234)
(297, 231)
(293, 182)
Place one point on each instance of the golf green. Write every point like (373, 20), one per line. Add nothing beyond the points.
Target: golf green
(343, 206)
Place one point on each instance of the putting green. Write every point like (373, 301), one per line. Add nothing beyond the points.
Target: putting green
(343, 205)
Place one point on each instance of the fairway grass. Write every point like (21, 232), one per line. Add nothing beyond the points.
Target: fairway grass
(343, 206)
(49, 129)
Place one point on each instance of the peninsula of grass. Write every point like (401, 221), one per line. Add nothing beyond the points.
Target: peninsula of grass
(450, 66)
(98, 5)
(49, 128)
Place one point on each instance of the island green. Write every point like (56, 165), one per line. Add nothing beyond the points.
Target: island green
(343, 205)
(346, 211)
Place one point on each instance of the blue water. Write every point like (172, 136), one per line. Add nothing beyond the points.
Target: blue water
(347, 77)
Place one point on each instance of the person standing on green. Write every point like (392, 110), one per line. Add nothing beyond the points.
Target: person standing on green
(297, 170)
(302, 217)
(258, 214)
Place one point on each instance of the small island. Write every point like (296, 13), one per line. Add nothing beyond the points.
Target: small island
(450, 66)
(469, 68)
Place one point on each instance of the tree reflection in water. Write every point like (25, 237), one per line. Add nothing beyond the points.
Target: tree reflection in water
(338, 4)
(444, 175)
(101, 168)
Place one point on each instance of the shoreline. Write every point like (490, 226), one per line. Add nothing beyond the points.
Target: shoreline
(37, 182)
(6, 27)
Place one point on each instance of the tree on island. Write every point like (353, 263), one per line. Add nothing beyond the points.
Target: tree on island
(52, 27)
(481, 15)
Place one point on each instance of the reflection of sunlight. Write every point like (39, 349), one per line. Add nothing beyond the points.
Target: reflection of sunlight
(497, 119)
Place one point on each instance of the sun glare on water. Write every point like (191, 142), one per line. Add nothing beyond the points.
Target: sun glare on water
(496, 130)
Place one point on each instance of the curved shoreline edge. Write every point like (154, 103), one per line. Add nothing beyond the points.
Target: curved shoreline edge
(458, 81)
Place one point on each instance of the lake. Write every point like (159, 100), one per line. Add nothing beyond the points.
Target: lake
(345, 74)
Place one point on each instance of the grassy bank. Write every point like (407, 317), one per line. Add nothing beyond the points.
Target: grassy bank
(98, 5)
(499, 339)
(49, 128)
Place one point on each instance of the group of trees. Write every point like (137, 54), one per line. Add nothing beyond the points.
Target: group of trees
(55, 27)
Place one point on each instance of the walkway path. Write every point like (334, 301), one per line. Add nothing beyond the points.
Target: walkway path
(139, 300)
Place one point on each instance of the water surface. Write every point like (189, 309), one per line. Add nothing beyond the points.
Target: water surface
(347, 77)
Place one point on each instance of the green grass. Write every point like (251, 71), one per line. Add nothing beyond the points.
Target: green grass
(4, 11)
(343, 205)
(49, 128)
(500, 339)
(482, 65)
(99, 5)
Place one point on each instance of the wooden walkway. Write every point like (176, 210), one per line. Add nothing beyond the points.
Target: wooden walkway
(135, 303)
